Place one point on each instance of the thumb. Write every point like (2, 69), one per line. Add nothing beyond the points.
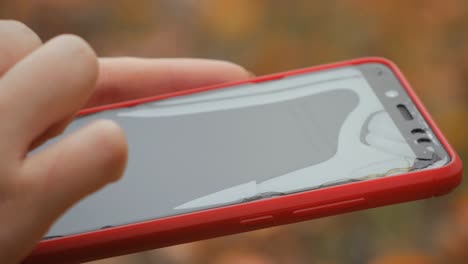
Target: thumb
(76, 166)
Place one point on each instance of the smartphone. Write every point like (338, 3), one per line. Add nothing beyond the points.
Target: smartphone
(263, 152)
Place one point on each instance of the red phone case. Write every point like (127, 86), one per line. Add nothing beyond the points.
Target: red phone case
(256, 214)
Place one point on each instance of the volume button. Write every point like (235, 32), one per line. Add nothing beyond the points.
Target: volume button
(257, 220)
(329, 207)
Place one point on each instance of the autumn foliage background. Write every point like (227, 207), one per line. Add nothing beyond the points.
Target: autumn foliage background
(427, 39)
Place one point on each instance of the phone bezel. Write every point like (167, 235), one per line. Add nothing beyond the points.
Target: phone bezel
(418, 135)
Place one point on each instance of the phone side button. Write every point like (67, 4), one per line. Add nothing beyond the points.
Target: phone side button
(257, 220)
(329, 207)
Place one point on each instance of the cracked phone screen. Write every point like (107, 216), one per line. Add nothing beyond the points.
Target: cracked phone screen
(244, 143)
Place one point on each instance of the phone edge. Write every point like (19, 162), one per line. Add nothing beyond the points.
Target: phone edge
(99, 244)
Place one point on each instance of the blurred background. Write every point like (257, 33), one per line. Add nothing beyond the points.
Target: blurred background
(427, 39)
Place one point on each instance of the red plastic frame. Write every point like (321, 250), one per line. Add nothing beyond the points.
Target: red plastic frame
(257, 214)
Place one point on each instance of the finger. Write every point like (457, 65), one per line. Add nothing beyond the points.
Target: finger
(53, 131)
(16, 41)
(123, 79)
(46, 87)
(76, 166)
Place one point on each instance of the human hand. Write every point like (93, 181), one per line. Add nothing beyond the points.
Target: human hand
(42, 86)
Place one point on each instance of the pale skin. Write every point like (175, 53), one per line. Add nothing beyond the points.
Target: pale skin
(42, 86)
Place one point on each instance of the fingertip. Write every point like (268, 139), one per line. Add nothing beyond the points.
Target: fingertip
(76, 44)
(231, 71)
(79, 53)
(112, 143)
(21, 31)
(17, 41)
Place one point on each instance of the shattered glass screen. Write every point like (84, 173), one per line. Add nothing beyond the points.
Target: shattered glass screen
(244, 143)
